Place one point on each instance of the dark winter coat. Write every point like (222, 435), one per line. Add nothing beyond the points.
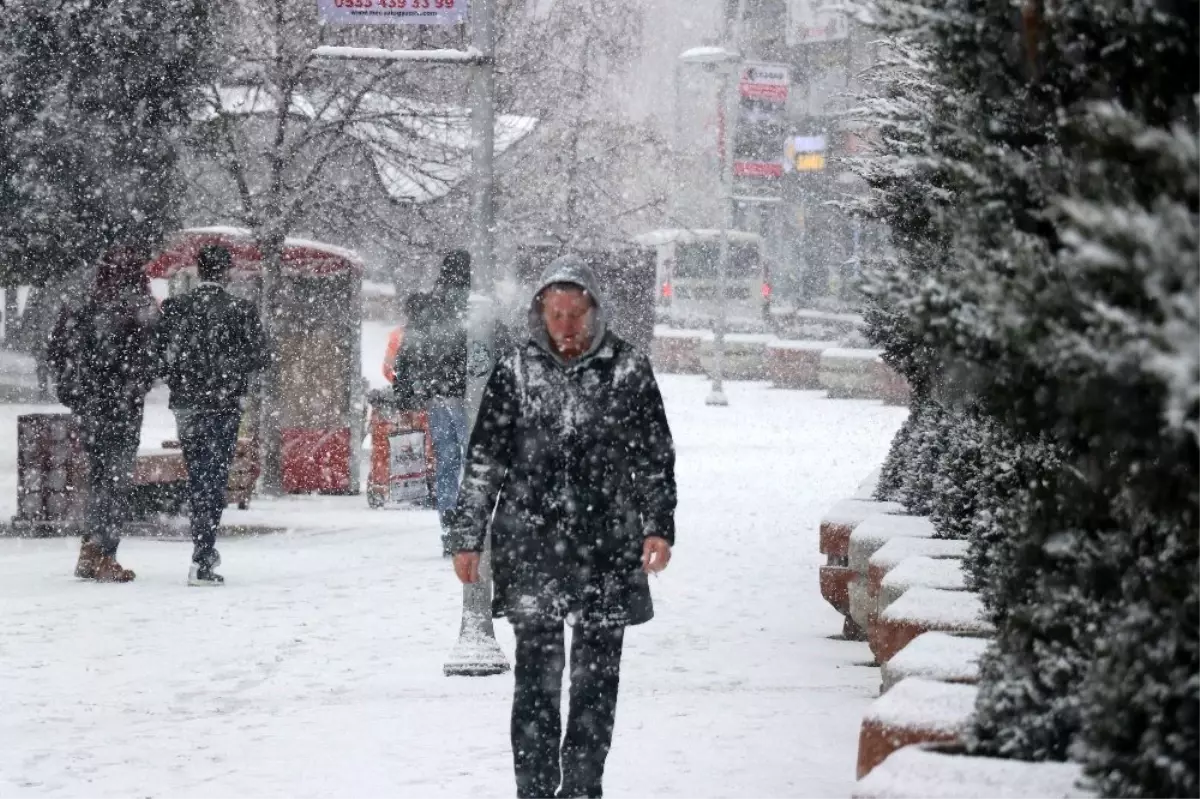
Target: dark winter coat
(432, 361)
(100, 355)
(579, 457)
(208, 345)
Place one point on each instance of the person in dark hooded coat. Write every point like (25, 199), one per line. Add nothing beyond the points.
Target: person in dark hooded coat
(430, 372)
(572, 449)
(100, 355)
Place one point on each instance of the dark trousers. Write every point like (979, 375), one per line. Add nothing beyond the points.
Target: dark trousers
(208, 439)
(110, 444)
(540, 760)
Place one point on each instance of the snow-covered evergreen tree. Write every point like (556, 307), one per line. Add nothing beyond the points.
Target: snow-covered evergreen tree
(96, 95)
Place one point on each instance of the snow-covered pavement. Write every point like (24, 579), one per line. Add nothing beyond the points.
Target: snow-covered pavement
(317, 670)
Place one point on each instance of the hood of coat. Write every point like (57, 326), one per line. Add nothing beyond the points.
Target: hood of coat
(572, 270)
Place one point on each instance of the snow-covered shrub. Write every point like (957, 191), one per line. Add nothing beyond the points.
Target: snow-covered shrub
(896, 464)
(1048, 612)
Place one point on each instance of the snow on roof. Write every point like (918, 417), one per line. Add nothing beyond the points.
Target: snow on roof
(925, 705)
(936, 656)
(940, 609)
(655, 238)
(420, 150)
(852, 512)
(248, 235)
(916, 772)
(898, 549)
(917, 570)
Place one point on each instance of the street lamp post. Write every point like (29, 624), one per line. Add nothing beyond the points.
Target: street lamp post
(726, 62)
(476, 653)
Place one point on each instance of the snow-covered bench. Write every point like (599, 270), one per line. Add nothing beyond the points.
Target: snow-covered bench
(867, 539)
(795, 364)
(931, 772)
(936, 656)
(914, 711)
(836, 526)
(920, 610)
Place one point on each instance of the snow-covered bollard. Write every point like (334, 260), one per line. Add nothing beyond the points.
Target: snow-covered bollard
(920, 610)
(867, 539)
(745, 355)
(914, 711)
(836, 526)
(943, 573)
(677, 351)
(932, 771)
(936, 656)
(795, 364)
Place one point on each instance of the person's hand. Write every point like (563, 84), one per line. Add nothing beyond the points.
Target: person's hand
(466, 566)
(656, 554)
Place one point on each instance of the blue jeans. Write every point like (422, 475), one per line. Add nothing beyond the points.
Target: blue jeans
(209, 439)
(448, 427)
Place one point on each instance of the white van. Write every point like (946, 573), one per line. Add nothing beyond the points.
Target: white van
(688, 261)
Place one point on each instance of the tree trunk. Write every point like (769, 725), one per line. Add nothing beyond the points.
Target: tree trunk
(270, 402)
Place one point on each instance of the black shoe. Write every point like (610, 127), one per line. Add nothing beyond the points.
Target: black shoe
(204, 576)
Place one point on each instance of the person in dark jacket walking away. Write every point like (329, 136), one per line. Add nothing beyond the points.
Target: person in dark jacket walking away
(572, 441)
(100, 357)
(209, 345)
(431, 372)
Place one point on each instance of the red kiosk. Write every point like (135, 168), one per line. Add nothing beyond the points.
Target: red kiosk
(317, 338)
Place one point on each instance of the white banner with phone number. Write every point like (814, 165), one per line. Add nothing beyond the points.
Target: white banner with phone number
(392, 12)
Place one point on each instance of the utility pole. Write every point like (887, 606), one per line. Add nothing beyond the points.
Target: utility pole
(477, 653)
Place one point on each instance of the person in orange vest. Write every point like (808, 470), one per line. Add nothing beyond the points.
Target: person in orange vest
(395, 339)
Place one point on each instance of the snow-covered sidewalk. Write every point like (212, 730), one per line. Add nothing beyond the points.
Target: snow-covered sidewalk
(317, 670)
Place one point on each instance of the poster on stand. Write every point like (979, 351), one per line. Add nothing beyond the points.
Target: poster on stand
(762, 115)
(407, 478)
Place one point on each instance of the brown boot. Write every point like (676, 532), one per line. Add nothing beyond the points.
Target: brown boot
(109, 571)
(89, 560)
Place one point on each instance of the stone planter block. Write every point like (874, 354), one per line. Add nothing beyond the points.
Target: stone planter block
(933, 772)
(677, 351)
(795, 364)
(937, 656)
(922, 610)
(867, 539)
(835, 587)
(896, 550)
(918, 570)
(841, 520)
(745, 356)
(914, 711)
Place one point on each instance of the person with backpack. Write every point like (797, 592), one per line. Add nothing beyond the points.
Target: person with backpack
(209, 343)
(100, 356)
(431, 372)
